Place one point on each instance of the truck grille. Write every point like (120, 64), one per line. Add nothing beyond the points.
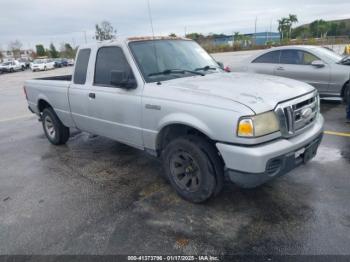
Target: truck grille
(298, 114)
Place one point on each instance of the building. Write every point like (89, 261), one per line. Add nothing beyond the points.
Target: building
(24, 54)
(261, 38)
(265, 37)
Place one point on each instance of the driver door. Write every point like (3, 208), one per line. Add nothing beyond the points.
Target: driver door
(296, 64)
(115, 112)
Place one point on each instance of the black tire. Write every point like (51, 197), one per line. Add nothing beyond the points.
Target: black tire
(346, 97)
(23, 68)
(55, 131)
(11, 70)
(200, 175)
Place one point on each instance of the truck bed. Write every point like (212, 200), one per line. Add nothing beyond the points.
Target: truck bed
(53, 90)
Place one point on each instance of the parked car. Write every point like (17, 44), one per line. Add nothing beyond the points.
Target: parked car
(178, 104)
(24, 62)
(70, 62)
(327, 71)
(60, 62)
(11, 66)
(42, 65)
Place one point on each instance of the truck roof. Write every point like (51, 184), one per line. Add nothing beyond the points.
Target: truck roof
(120, 40)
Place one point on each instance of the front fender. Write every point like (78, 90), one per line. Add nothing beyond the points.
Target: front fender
(185, 119)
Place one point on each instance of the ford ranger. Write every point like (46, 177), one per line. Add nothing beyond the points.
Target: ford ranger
(170, 98)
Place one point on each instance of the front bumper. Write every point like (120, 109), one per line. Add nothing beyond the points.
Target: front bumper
(251, 166)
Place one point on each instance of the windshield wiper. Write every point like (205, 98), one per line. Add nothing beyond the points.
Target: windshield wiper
(205, 68)
(175, 71)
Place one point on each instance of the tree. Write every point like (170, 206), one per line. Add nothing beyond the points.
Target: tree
(342, 29)
(172, 35)
(323, 28)
(301, 32)
(319, 28)
(67, 51)
(15, 47)
(283, 24)
(40, 50)
(53, 52)
(333, 29)
(293, 19)
(105, 31)
(236, 37)
(195, 36)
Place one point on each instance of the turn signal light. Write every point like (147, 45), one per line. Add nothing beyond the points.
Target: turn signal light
(246, 128)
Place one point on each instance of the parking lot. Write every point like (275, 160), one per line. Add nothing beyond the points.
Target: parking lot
(96, 196)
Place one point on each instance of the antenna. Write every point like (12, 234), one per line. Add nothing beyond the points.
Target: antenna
(85, 36)
(150, 16)
(151, 22)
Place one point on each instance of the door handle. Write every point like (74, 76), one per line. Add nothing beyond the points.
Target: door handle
(92, 95)
(280, 68)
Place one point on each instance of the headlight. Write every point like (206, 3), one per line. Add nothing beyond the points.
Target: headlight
(258, 125)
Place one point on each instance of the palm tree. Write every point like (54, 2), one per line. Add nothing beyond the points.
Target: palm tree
(236, 37)
(293, 19)
(282, 26)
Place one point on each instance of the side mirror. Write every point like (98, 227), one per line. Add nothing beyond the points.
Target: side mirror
(221, 64)
(122, 79)
(318, 63)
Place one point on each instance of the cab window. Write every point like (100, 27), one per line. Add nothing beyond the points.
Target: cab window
(109, 59)
(81, 66)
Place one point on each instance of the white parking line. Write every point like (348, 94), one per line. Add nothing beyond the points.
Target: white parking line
(16, 118)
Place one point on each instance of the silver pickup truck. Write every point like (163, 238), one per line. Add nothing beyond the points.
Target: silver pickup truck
(167, 96)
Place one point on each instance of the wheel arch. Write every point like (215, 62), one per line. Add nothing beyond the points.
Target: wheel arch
(42, 104)
(343, 88)
(176, 129)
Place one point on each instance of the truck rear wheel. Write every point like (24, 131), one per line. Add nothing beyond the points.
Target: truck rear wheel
(55, 131)
(193, 168)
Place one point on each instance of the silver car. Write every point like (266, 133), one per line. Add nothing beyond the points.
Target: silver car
(318, 66)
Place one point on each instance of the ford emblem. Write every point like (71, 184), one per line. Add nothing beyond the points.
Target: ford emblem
(306, 113)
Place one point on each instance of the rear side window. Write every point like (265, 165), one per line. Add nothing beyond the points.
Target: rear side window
(109, 59)
(81, 66)
(269, 58)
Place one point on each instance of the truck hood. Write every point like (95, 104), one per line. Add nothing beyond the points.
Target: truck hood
(259, 92)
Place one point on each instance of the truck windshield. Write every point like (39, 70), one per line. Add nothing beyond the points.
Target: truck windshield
(161, 60)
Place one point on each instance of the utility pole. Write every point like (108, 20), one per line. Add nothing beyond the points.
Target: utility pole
(256, 20)
(270, 33)
(85, 36)
(185, 31)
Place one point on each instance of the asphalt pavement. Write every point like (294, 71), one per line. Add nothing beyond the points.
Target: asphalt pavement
(97, 196)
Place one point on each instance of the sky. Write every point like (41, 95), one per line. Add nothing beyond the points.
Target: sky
(57, 21)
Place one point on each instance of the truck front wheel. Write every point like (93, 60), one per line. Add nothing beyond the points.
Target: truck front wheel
(346, 97)
(193, 168)
(55, 131)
